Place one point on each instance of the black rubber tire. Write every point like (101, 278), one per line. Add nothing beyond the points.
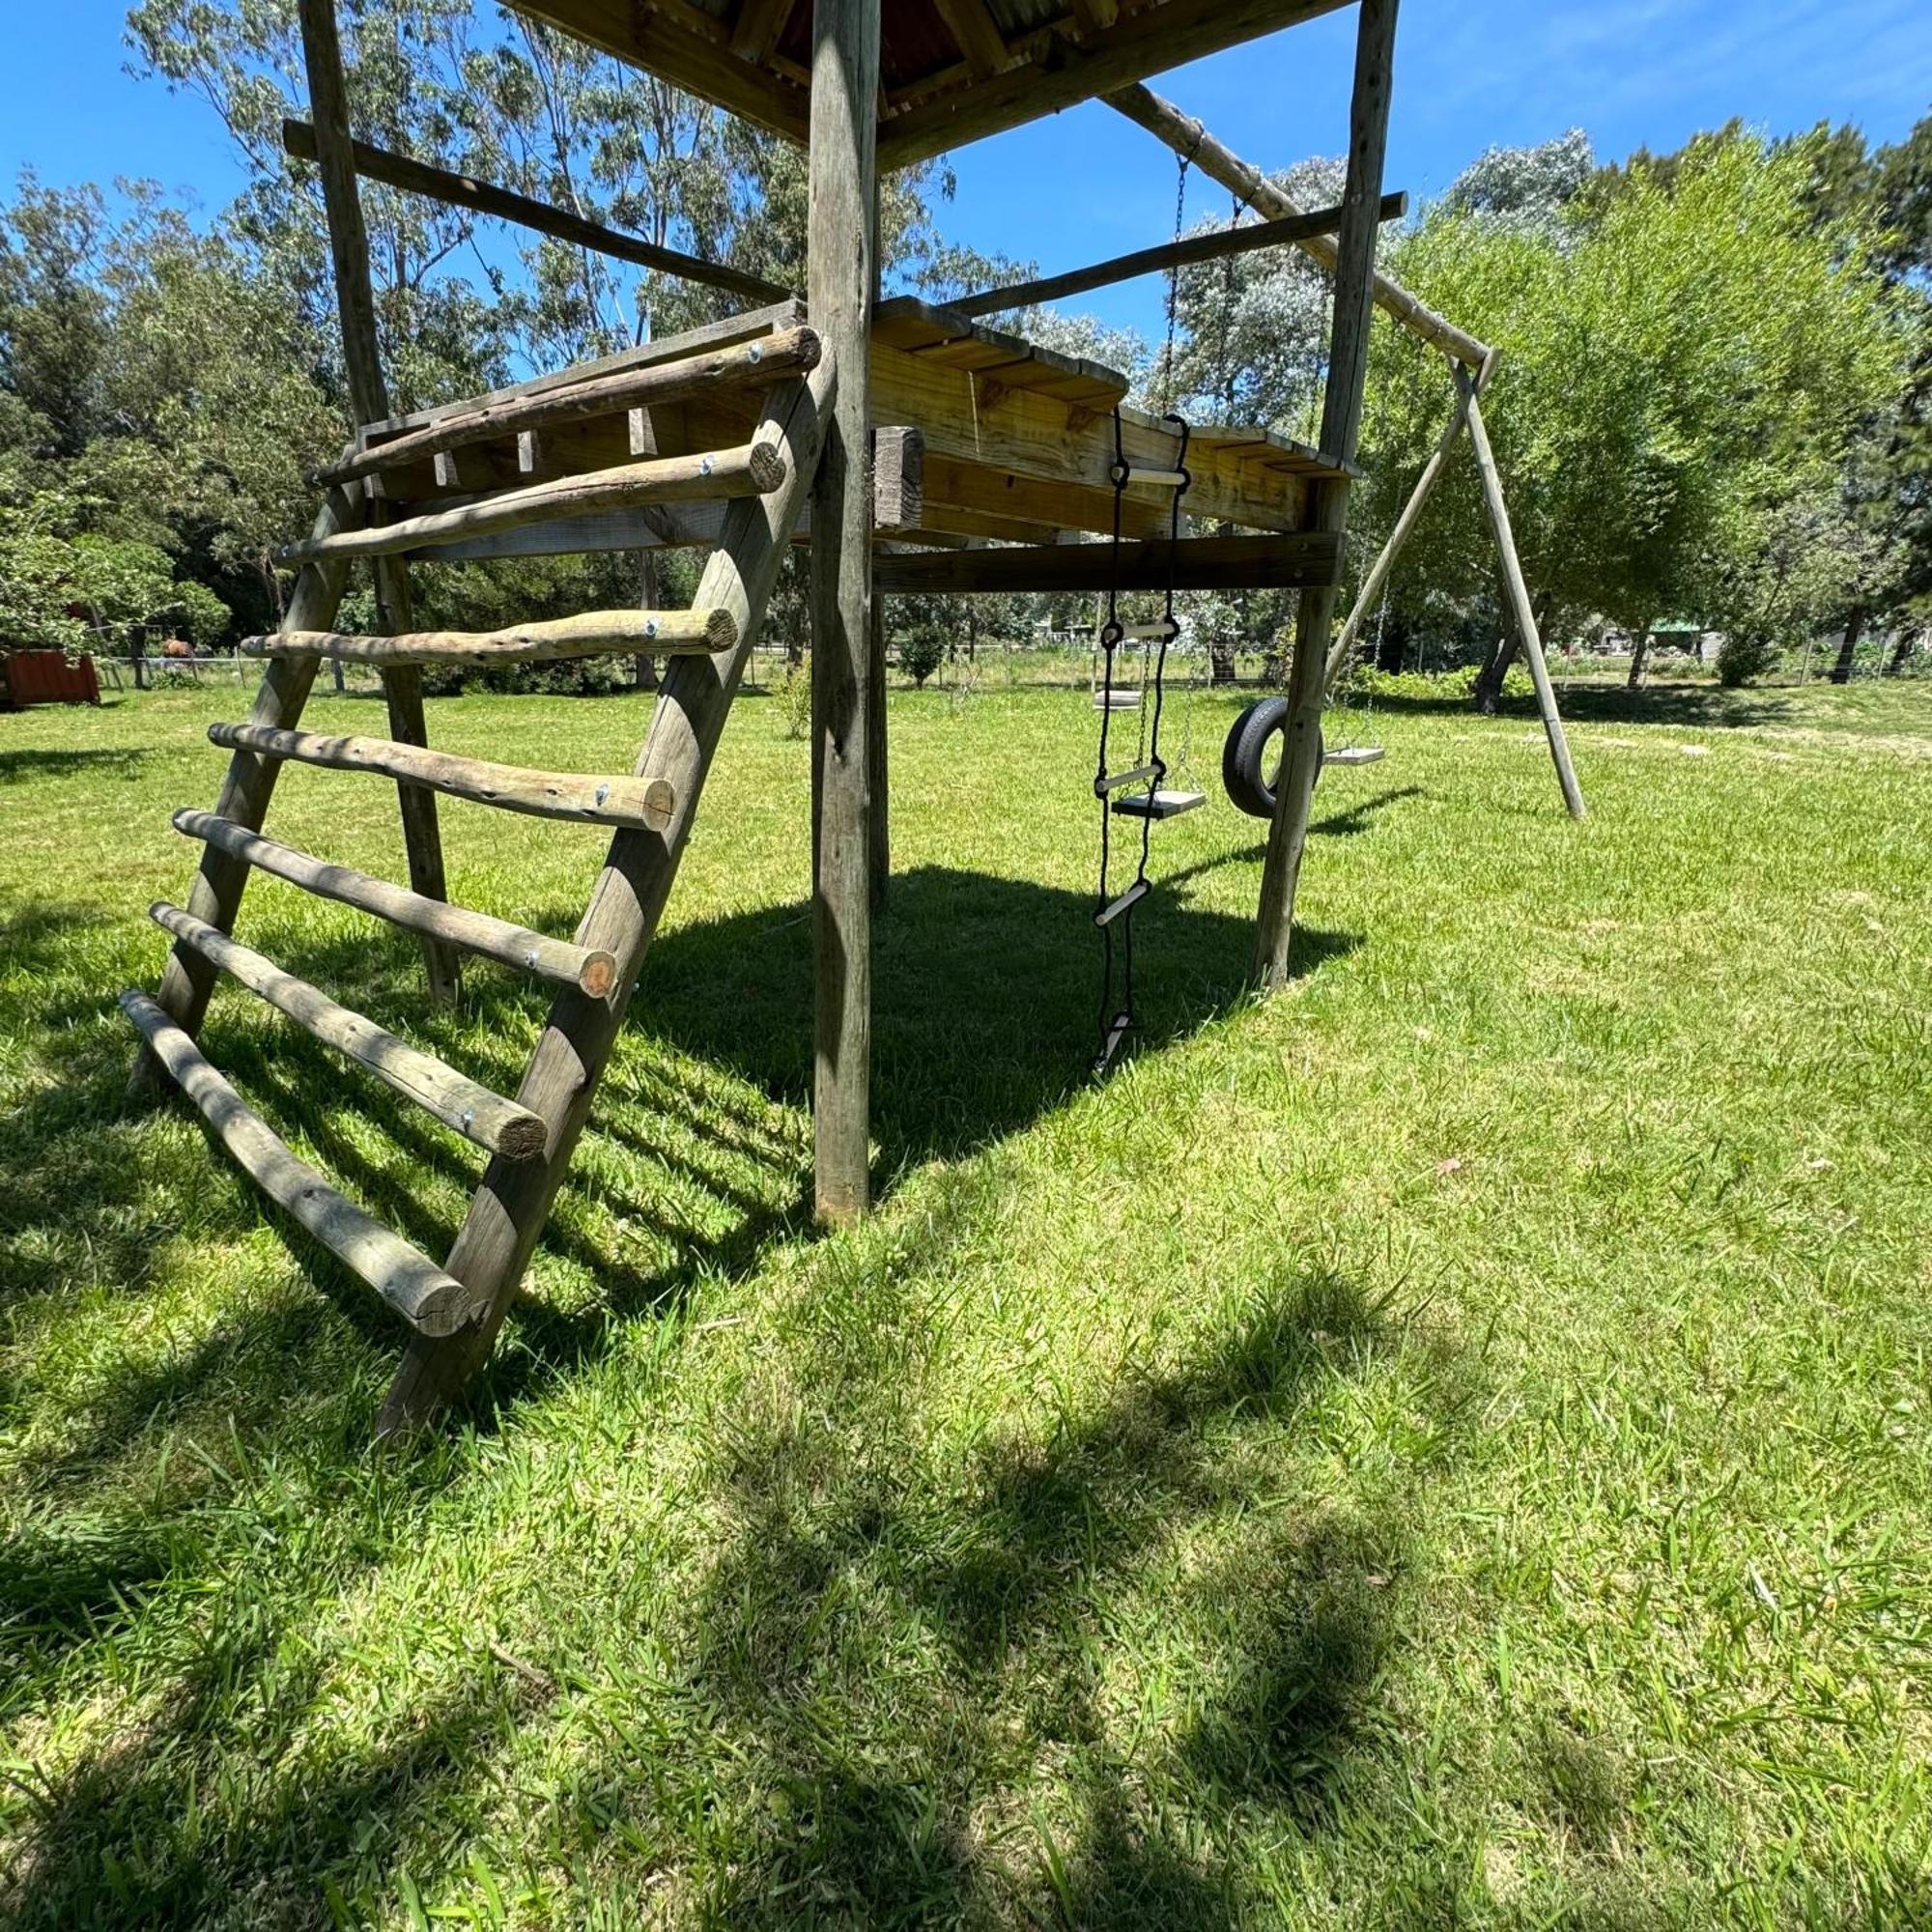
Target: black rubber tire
(1244, 756)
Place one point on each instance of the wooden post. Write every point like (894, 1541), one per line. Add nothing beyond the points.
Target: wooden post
(841, 224)
(1404, 526)
(1341, 426)
(1519, 595)
(881, 843)
(356, 301)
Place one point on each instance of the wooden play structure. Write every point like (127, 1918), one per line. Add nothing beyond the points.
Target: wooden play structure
(912, 447)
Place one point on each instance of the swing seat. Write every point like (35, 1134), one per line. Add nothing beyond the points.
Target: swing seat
(1118, 699)
(1166, 804)
(1355, 755)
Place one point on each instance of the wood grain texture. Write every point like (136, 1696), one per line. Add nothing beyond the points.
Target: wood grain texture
(753, 469)
(433, 1301)
(1198, 563)
(1341, 425)
(588, 634)
(507, 1215)
(492, 1123)
(557, 960)
(581, 799)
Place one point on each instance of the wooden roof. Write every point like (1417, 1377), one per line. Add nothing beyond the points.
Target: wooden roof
(952, 70)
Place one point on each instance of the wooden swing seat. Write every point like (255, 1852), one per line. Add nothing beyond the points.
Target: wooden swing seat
(1355, 755)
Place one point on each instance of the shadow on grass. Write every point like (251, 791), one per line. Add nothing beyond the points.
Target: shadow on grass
(23, 763)
(1019, 1572)
(1687, 706)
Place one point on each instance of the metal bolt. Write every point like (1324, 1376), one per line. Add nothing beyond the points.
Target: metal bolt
(704, 466)
(603, 792)
(754, 353)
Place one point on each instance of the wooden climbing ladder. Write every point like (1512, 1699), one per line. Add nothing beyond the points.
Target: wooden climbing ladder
(760, 488)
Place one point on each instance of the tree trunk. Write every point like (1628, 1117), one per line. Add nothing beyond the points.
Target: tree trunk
(1855, 624)
(1220, 662)
(1907, 641)
(1639, 651)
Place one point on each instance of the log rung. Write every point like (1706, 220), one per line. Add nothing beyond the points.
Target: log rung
(591, 634)
(566, 795)
(1126, 901)
(752, 469)
(556, 960)
(430, 1299)
(1128, 474)
(1118, 699)
(476, 1113)
(1145, 633)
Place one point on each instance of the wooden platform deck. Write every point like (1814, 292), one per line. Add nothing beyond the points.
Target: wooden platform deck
(978, 436)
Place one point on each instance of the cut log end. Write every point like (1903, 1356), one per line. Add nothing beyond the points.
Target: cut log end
(721, 629)
(660, 802)
(599, 974)
(767, 466)
(521, 1139)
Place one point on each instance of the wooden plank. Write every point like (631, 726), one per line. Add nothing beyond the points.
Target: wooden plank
(749, 326)
(188, 981)
(1015, 430)
(756, 30)
(1187, 136)
(567, 795)
(556, 960)
(492, 1123)
(1165, 257)
(590, 634)
(978, 36)
(431, 1300)
(1518, 596)
(898, 478)
(507, 1215)
(762, 360)
(304, 142)
(752, 469)
(1139, 44)
(841, 244)
(349, 252)
(1198, 563)
(1341, 425)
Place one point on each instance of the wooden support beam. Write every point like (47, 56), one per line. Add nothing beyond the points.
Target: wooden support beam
(481, 197)
(842, 234)
(979, 39)
(1165, 256)
(492, 1123)
(508, 1212)
(1198, 563)
(590, 634)
(755, 30)
(556, 960)
(763, 361)
(1518, 596)
(431, 1300)
(349, 253)
(1341, 426)
(1405, 524)
(567, 795)
(1185, 135)
(188, 981)
(752, 469)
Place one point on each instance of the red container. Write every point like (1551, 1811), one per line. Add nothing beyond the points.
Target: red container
(50, 677)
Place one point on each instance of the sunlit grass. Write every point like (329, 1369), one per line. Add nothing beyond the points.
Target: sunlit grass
(1446, 1445)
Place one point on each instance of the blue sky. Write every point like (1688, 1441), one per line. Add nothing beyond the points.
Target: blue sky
(1470, 74)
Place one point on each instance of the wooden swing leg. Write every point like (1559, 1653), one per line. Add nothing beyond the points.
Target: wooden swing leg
(1404, 526)
(1518, 596)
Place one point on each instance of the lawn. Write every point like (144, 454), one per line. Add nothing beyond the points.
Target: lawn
(1446, 1445)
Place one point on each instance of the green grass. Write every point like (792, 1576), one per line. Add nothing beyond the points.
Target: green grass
(1444, 1446)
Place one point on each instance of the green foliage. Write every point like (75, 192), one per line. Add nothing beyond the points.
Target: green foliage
(921, 649)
